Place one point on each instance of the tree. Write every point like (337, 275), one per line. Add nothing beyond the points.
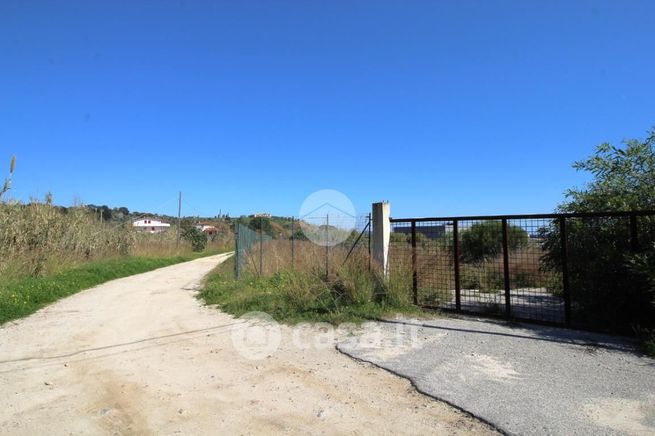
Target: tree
(607, 290)
(196, 237)
(484, 240)
(262, 223)
(105, 213)
(624, 178)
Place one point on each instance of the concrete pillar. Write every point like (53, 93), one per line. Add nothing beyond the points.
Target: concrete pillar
(381, 235)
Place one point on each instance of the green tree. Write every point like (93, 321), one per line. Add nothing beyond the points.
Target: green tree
(484, 240)
(623, 178)
(196, 237)
(608, 289)
(262, 223)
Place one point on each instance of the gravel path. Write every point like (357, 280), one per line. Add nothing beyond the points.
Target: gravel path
(140, 355)
(526, 380)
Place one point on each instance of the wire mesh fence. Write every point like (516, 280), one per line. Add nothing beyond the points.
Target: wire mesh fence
(568, 269)
(318, 244)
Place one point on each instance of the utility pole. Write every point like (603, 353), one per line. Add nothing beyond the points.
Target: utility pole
(179, 214)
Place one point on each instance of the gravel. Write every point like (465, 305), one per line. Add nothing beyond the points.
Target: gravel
(521, 379)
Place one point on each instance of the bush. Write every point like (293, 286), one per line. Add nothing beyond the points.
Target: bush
(196, 237)
(643, 265)
(649, 346)
(484, 240)
(610, 285)
(262, 223)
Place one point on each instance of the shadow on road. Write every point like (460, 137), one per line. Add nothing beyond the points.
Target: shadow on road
(537, 333)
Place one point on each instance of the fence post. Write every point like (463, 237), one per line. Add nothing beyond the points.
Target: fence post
(327, 246)
(565, 270)
(293, 246)
(414, 269)
(508, 304)
(261, 247)
(381, 235)
(369, 241)
(237, 270)
(458, 289)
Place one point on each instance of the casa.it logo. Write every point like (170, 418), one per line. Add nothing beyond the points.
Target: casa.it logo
(257, 336)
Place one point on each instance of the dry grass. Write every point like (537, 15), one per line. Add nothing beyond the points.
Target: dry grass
(277, 255)
(303, 286)
(436, 270)
(38, 239)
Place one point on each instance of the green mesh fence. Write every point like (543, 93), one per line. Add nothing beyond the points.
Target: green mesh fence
(250, 249)
(316, 244)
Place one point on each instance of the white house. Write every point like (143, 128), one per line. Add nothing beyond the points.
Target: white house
(150, 225)
(207, 228)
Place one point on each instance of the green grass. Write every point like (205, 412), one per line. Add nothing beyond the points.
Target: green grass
(20, 297)
(293, 297)
(648, 345)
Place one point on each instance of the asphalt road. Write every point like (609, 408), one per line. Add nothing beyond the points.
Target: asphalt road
(527, 380)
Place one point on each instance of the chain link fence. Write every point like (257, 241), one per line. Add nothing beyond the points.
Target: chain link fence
(317, 244)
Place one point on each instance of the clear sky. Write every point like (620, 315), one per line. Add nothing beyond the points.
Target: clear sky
(440, 107)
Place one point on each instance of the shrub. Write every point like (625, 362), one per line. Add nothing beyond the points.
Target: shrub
(485, 240)
(609, 285)
(649, 346)
(196, 237)
(643, 265)
(262, 223)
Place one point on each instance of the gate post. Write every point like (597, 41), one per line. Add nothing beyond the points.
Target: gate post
(508, 298)
(458, 286)
(381, 235)
(565, 270)
(414, 268)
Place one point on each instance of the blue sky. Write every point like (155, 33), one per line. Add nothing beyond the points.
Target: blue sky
(442, 108)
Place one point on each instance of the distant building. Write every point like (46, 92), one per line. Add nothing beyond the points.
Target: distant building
(207, 228)
(432, 231)
(150, 225)
(261, 215)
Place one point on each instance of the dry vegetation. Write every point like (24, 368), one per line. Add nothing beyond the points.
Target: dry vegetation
(307, 289)
(39, 239)
(436, 270)
(310, 282)
(48, 252)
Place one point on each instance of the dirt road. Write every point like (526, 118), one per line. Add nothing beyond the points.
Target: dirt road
(141, 355)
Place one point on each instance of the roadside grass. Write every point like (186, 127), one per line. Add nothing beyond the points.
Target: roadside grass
(648, 345)
(23, 296)
(295, 296)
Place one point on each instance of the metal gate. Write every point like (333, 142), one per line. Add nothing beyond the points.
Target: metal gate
(546, 268)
